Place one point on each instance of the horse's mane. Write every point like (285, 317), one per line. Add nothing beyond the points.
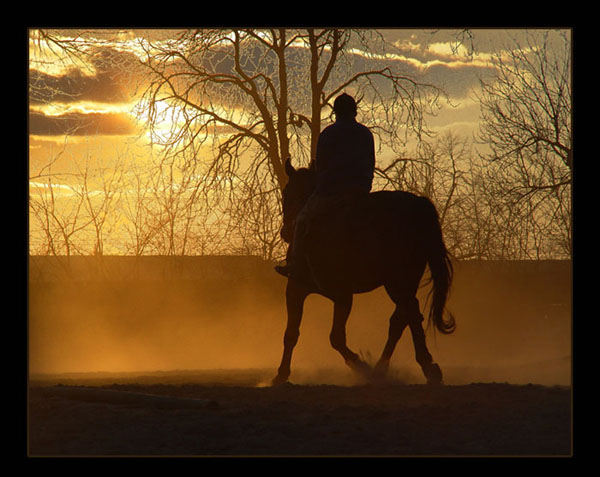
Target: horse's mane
(306, 170)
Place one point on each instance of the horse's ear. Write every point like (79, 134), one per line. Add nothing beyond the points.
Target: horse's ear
(289, 169)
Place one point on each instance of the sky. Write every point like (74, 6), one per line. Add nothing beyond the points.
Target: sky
(87, 108)
(96, 98)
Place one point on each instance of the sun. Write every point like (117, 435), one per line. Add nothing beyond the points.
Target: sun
(162, 121)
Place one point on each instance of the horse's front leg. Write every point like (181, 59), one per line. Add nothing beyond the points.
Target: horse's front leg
(341, 312)
(295, 294)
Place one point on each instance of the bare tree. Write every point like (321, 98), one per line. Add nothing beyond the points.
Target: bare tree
(134, 206)
(255, 222)
(226, 107)
(438, 170)
(167, 207)
(99, 189)
(59, 210)
(75, 201)
(259, 91)
(526, 131)
(246, 100)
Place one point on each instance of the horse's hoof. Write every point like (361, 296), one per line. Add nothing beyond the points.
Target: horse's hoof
(379, 373)
(378, 379)
(361, 368)
(433, 373)
(279, 381)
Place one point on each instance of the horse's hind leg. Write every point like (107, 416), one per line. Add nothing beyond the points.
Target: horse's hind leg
(337, 337)
(408, 313)
(431, 370)
(295, 295)
(398, 323)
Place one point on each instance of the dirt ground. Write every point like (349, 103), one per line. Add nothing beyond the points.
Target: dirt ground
(236, 414)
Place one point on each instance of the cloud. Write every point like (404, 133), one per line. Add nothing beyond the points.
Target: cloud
(458, 80)
(80, 124)
(73, 87)
(110, 83)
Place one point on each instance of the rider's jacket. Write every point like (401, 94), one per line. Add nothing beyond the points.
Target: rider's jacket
(345, 159)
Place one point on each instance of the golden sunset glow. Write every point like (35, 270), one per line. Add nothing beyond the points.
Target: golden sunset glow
(135, 100)
(298, 242)
(169, 145)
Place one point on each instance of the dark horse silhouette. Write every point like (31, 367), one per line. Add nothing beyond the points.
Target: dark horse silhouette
(383, 238)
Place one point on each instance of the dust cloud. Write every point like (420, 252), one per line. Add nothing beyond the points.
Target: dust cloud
(226, 313)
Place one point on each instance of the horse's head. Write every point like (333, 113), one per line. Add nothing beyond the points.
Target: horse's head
(301, 183)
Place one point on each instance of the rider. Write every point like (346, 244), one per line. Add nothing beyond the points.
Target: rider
(344, 167)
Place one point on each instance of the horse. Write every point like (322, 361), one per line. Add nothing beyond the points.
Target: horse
(384, 238)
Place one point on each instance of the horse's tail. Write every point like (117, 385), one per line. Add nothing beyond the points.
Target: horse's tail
(440, 266)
